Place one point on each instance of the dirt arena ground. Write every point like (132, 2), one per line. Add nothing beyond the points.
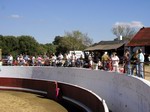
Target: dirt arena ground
(13, 101)
(147, 72)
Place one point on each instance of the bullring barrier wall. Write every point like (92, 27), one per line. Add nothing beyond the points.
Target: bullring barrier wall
(78, 98)
(122, 93)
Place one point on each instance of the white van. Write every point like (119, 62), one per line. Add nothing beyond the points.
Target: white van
(77, 53)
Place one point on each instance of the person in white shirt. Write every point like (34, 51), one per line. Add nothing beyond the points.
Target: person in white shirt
(54, 58)
(10, 60)
(141, 64)
(60, 60)
(115, 62)
(73, 59)
(149, 58)
(33, 60)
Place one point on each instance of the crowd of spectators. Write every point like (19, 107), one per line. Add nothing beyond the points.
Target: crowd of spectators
(65, 60)
(132, 64)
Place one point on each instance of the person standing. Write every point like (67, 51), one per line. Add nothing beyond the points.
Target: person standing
(21, 60)
(140, 64)
(60, 60)
(127, 62)
(39, 60)
(54, 58)
(73, 59)
(149, 59)
(33, 60)
(115, 62)
(105, 61)
(134, 63)
(10, 60)
(1, 63)
(90, 61)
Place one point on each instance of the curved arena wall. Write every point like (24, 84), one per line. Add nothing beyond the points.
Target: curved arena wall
(122, 93)
(80, 99)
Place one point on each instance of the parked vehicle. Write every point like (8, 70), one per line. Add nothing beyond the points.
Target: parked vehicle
(77, 53)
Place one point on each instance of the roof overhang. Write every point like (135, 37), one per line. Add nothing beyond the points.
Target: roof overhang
(105, 47)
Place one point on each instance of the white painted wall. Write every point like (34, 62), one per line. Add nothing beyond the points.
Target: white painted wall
(122, 93)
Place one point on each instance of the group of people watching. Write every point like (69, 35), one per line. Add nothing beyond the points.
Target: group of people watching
(137, 61)
(132, 64)
(65, 60)
(106, 62)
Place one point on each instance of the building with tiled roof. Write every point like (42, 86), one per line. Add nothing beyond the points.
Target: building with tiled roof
(141, 40)
(109, 46)
(106, 45)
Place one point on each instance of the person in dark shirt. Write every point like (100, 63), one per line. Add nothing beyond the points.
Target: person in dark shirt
(127, 62)
(134, 60)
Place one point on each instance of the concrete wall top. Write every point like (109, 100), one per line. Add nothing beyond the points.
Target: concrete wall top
(122, 93)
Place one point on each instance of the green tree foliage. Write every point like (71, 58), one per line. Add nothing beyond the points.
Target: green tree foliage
(9, 44)
(82, 38)
(24, 45)
(28, 45)
(50, 48)
(47, 48)
(57, 40)
(72, 41)
(18, 45)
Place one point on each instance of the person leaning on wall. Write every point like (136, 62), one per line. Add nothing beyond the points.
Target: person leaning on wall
(105, 60)
(115, 62)
(127, 62)
(149, 59)
(134, 60)
(1, 63)
(140, 64)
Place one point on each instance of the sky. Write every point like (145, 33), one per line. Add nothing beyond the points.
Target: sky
(45, 19)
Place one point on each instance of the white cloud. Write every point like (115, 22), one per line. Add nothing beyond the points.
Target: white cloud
(135, 24)
(15, 16)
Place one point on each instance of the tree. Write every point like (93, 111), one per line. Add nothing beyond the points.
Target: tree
(124, 30)
(28, 45)
(9, 44)
(80, 37)
(72, 41)
(57, 40)
(41, 50)
(50, 48)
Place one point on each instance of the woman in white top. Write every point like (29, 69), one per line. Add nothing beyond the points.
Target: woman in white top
(115, 62)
